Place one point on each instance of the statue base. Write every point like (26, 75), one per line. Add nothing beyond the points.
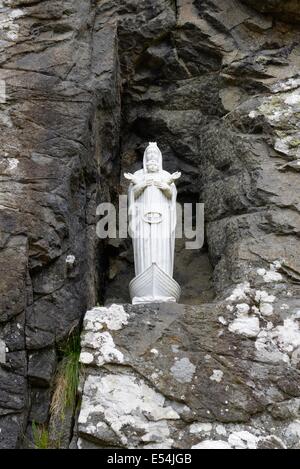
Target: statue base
(154, 286)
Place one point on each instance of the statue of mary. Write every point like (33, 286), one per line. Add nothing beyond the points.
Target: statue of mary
(152, 215)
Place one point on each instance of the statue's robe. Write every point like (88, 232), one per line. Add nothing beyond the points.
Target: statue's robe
(153, 223)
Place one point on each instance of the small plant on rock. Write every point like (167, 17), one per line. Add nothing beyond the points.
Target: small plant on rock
(67, 377)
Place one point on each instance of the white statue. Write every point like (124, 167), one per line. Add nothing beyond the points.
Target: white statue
(152, 211)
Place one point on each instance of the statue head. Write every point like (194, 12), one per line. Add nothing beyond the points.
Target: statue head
(152, 158)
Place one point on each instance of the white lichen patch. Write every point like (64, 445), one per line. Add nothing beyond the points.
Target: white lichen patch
(200, 427)
(239, 436)
(245, 322)
(175, 348)
(9, 28)
(79, 443)
(293, 429)
(221, 430)
(160, 428)
(212, 444)
(266, 309)
(222, 320)
(263, 296)
(217, 376)
(113, 317)
(122, 401)
(70, 260)
(86, 358)
(267, 348)
(242, 309)
(250, 315)
(12, 164)
(271, 275)
(281, 111)
(293, 98)
(101, 345)
(154, 376)
(183, 370)
(246, 326)
(280, 343)
(251, 318)
(98, 347)
(240, 292)
(286, 85)
(287, 335)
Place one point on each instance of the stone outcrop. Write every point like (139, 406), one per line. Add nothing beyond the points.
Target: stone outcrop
(175, 376)
(83, 86)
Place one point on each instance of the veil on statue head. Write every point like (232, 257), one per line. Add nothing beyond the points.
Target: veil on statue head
(153, 146)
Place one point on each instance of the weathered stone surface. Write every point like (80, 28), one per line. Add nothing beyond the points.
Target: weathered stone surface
(11, 438)
(12, 392)
(50, 184)
(175, 376)
(40, 402)
(61, 429)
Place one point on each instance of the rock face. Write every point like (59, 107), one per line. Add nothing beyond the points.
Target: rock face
(282, 9)
(83, 86)
(175, 376)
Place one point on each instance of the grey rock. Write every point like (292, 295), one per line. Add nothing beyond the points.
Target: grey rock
(61, 429)
(174, 376)
(41, 367)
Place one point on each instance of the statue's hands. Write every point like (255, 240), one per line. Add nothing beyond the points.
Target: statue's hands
(139, 187)
(161, 185)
